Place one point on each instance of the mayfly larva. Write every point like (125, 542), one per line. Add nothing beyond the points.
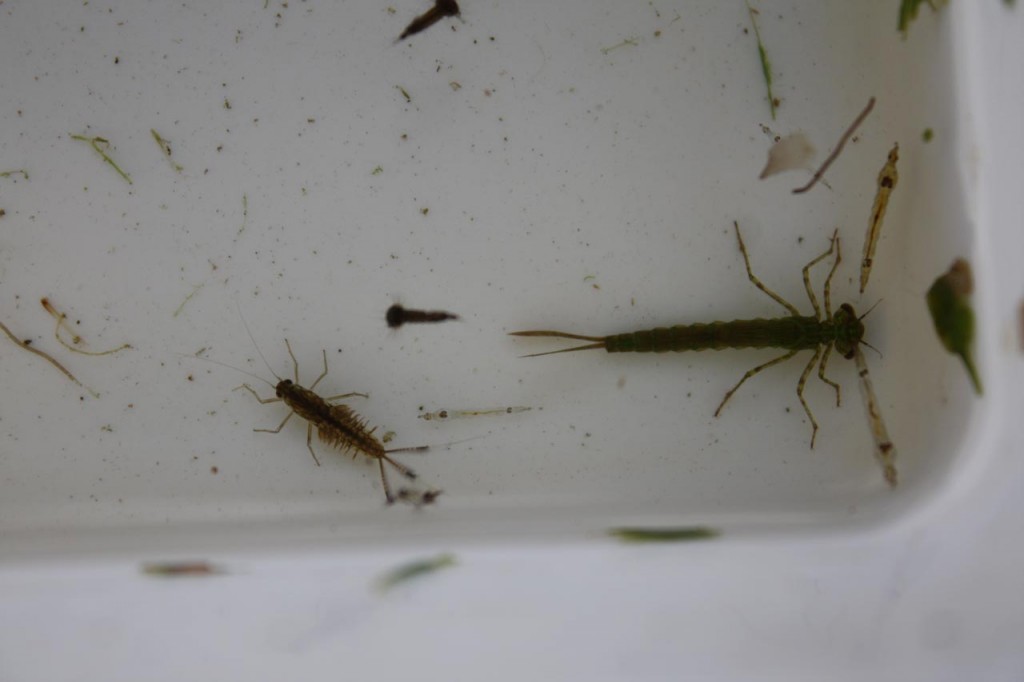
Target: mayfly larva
(396, 316)
(336, 425)
(446, 414)
(843, 331)
(887, 179)
(440, 10)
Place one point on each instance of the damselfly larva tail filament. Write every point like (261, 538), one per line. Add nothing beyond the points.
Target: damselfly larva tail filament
(336, 425)
(841, 330)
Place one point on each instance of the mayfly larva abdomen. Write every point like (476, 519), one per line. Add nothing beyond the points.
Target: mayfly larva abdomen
(842, 331)
(336, 425)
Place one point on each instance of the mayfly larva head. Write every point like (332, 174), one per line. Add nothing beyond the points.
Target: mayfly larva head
(850, 330)
(283, 386)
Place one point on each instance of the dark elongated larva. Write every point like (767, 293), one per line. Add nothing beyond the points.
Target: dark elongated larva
(396, 316)
(843, 331)
(336, 425)
(440, 10)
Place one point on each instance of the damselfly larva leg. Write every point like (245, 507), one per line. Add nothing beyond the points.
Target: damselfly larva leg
(758, 283)
(800, 393)
(821, 371)
(807, 279)
(756, 370)
(828, 280)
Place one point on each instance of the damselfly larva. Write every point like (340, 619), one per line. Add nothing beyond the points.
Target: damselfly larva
(446, 414)
(843, 331)
(336, 425)
(887, 179)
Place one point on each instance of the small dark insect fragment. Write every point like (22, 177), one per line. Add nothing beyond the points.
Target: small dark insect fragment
(418, 498)
(178, 569)
(440, 10)
(396, 316)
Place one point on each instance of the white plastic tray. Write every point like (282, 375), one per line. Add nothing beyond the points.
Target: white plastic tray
(534, 178)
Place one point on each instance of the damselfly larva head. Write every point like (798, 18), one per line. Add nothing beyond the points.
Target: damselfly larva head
(850, 330)
(283, 386)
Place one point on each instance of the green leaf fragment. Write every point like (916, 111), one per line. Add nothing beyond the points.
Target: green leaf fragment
(414, 569)
(953, 316)
(908, 12)
(681, 534)
(766, 66)
(100, 146)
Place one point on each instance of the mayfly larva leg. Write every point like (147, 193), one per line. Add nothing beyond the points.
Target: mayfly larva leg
(807, 279)
(296, 364)
(753, 372)
(758, 283)
(309, 439)
(800, 393)
(263, 401)
(319, 378)
(354, 394)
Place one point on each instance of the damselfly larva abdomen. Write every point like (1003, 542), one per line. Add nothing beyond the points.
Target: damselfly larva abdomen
(843, 331)
(336, 425)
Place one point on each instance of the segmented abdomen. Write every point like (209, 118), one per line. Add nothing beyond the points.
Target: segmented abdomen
(786, 332)
(347, 431)
(336, 425)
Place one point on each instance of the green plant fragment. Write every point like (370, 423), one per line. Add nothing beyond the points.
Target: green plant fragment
(100, 146)
(766, 66)
(953, 316)
(681, 534)
(413, 569)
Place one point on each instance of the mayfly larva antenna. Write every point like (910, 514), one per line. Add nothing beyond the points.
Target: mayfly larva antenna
(253, 339)
(224, 364)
